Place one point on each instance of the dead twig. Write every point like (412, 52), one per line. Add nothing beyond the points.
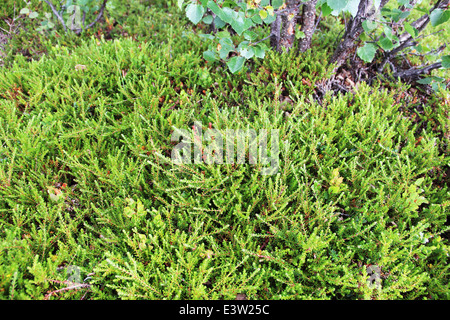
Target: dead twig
(71, 286)
(415, 72)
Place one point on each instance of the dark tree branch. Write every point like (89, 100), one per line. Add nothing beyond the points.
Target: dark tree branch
(408, 40)
(58, 16)
(353, 30)
(261, 40)
(415, 73)
(100, 14)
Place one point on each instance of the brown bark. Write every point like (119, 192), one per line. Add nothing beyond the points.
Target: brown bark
(288, 23)
(308, 24)
(353, 30)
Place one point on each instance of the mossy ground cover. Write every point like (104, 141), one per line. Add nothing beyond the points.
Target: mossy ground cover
(86, 179)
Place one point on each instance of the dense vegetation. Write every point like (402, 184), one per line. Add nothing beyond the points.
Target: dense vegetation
(92, 207)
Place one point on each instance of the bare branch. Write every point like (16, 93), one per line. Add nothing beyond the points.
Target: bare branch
(56, 14)
(416, 72)
(100, 14)
(261, 40)
(408, 40)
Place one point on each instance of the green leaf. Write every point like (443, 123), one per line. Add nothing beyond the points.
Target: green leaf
(257, 19)
(214, 8)
(247, 53)
(369, 25)
(446, 62)
(364, 37)
(195, 12)
(210, 56)
(224, 34)
(326, 9)
(206, 36)
(270, 19)
(236, 64)
(437, 85)
(208, 19)
(427, 80)
(33, 15)
(277, 3)
(228, 15)
(337, 5)
(241, 24)
(260, 51)
(250, 35)
(367, 52)
(24, 11)
(418, 48)
(386, 44)
(226, 46)
(219, 23)
(411, 30)
(439, 16)
(388, 32)
(352, 7)
(263, 14)
(180, 4)
(299, 34)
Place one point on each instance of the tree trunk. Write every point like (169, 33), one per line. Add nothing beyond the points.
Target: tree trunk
(353, 30)
(288, 23)
(308, 24)
(275, 33)
(282, 33)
